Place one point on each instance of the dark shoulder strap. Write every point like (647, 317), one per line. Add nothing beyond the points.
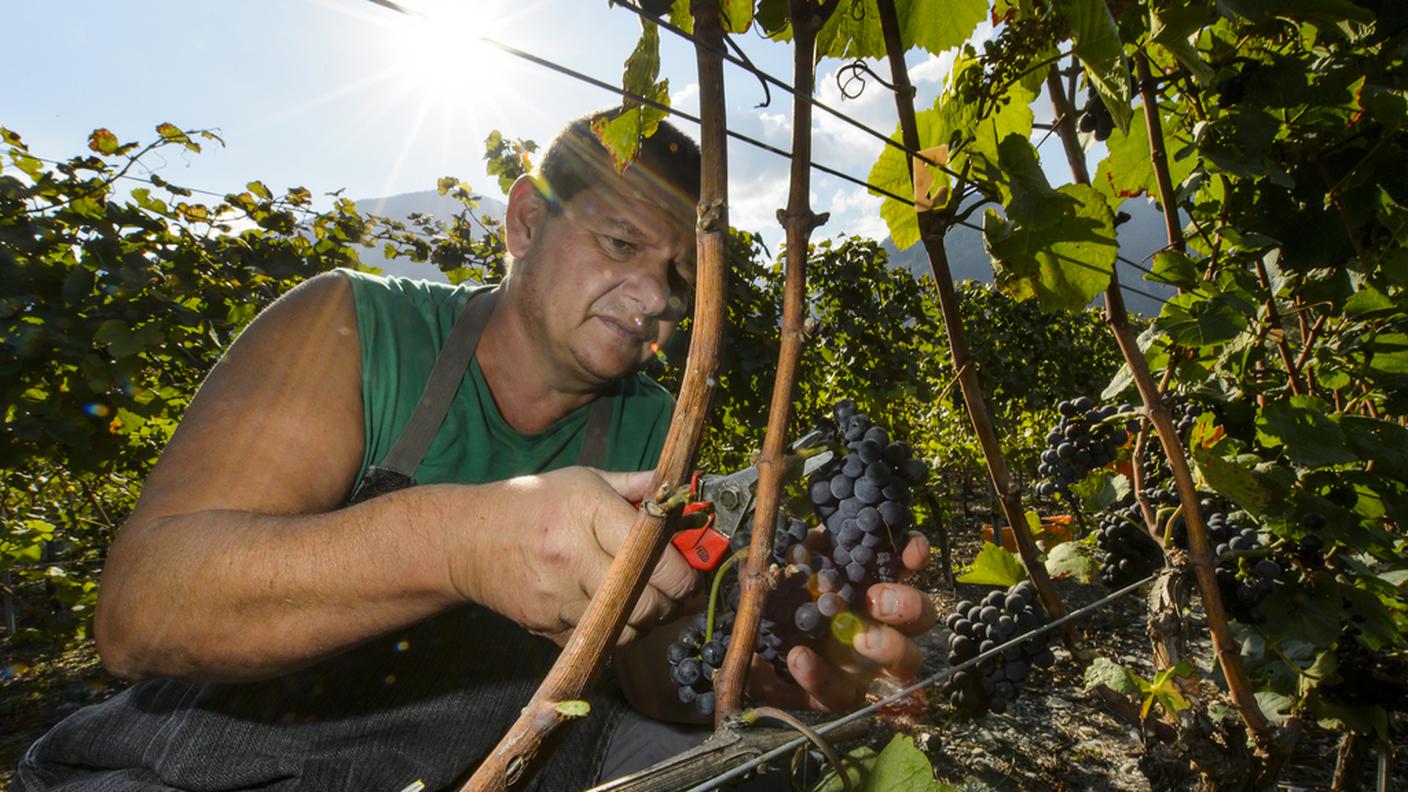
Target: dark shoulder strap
(440, 388)
(593, 451)
(397, 469)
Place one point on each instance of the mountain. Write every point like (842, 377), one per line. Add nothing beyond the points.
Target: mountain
(1139, 238)
(401, 207)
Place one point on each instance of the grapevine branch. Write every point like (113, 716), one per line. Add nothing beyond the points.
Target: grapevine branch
(1225, 646)
(807, 19)
(582, 660)
(932, 230)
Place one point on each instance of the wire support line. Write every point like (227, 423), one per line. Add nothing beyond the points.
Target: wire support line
(787, 88)
(602, 84)
(570, 72)
(741, 770)
(573, 73)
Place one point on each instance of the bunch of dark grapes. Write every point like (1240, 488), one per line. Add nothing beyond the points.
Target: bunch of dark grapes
(864, 499)
(1127, 552)
(1083, 441)
(1243, 583)
(693, 660)
(1095, 117)
(1159, 489)
(977, 627)
(1185, 414)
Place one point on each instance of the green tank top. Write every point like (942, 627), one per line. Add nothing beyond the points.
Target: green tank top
(403, 323)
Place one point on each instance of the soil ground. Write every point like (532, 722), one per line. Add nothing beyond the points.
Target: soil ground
(1053, 737)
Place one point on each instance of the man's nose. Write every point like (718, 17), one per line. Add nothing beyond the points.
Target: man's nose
(649, 286)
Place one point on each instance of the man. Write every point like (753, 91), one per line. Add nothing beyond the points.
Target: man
(299, 623)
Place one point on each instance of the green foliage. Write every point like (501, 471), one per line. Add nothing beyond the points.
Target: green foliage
(899, 767)
(994, 566)
(114, 307)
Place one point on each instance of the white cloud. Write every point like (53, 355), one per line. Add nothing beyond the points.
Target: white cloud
(753, 203)
(776, 125)
(855, 211)
(686, 99)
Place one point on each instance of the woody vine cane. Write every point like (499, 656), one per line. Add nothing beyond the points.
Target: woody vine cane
(582, 660)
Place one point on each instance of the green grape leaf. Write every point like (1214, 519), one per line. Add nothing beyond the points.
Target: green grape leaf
(622, 135)
(923, 24)
(1072, 560)
(1173, 267)
(1328, 13)
(1194, 319)
(1128, 169)
(1101, 490)
(1239, 484)
(1154, 345)
(1030, 200)
(899, 767)
(1382, 442)
(1276, 706)
(1103, 671)
(1390, 354)
(853, 30)
(1163, 690)
(1302, 424)
(1063, 266)
(994, 566)
(950, 117)
(1366, 302)
(737, 14)
(1175, 28)
(1097, 44)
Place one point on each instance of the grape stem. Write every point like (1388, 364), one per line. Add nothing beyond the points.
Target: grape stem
(714, 591)
(755, 714)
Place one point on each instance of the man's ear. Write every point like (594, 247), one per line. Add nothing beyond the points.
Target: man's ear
(527, 208)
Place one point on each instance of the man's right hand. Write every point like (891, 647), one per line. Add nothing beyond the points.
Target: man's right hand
(545, 559)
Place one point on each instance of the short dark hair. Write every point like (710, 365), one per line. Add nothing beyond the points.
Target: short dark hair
(575, 159)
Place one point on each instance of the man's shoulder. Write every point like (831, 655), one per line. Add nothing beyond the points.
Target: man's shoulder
(641, 388)
(412, 289)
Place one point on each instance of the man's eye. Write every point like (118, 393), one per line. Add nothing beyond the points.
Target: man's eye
(616, 245)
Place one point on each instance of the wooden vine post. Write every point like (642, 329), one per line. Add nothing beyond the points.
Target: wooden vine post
(807, 18)
(582, 660)
(932, 228)
(1225, 646)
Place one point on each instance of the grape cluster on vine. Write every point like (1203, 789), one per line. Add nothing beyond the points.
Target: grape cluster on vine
(863, 498)
(1127, 552)
(1087, 437)
(1095, 116)
(977, 627)
(1243, 582)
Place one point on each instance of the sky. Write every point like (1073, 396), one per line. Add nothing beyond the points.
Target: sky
(347, 95)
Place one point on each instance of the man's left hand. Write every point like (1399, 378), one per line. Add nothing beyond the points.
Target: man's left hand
(884, 646)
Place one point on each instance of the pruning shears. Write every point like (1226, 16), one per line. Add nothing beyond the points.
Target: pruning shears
(725, 501)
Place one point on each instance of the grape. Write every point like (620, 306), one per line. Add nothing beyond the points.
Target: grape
(862, 498)
(995, 682)
(1127, 552)
(1082, 441)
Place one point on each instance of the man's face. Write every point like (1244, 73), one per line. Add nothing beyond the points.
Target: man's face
(606, 279)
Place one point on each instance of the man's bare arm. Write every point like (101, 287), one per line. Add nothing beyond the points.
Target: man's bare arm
(238, 564)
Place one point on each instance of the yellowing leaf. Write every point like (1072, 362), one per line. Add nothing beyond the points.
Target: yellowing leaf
(103, 141)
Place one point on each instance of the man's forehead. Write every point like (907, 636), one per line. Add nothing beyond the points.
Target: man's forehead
(632, 208)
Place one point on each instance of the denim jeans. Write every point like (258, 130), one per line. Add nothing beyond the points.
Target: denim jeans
(421, 704)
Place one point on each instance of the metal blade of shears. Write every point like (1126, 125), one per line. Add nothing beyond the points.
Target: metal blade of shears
(733, 494)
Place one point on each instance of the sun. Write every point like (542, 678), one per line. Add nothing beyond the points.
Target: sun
(440, 48)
